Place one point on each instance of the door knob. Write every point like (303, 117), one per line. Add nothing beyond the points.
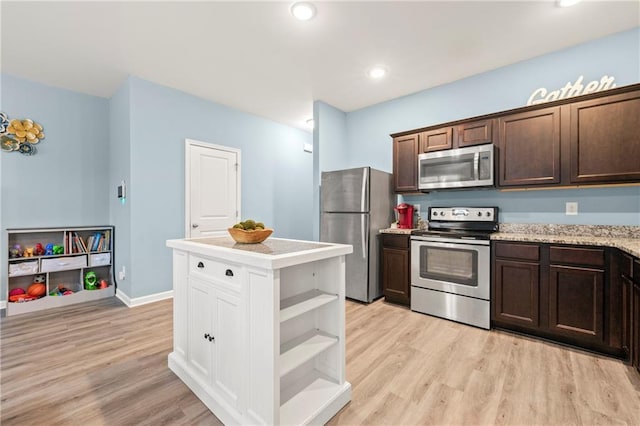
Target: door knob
(194, 225)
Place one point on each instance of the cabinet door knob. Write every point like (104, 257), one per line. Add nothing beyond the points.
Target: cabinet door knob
(200, 265)
(206, 336)
(228, 273)
(194, 225)
(211, 338)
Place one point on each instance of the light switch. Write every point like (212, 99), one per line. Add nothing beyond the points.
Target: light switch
(571, 208)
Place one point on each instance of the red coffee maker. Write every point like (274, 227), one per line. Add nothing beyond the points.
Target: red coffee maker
(405, 216)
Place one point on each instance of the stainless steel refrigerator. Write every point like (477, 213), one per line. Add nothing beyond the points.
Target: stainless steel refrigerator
(354, 205)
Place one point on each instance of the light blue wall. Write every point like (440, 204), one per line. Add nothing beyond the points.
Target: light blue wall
(120, 169)
(369, 143)
(277, 174)
(65, 183)
(138, 135)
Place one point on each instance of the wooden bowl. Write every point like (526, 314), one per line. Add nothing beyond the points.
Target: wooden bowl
(249, 237)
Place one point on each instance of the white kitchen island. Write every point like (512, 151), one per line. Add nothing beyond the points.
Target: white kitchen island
(259, 329)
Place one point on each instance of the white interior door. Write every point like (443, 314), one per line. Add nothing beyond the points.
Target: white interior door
(212, 189)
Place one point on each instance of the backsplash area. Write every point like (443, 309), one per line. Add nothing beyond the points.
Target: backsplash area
(596, 206)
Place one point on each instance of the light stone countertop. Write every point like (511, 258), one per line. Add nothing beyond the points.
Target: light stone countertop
(396, 231)
(625, 238)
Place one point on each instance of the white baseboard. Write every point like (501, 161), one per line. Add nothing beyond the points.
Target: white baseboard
(137, 301)
(3, 304)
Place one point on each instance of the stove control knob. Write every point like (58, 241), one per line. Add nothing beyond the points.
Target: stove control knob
(441, 213)
(479, 213)
(488, 214)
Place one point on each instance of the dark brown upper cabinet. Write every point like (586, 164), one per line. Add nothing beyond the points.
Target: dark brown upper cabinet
(436, 140)
(474, 133)
(405, 163)
(587, 140)
(605, 139)
(529, 148)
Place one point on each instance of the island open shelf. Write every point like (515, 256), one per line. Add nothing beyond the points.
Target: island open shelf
(259, 329)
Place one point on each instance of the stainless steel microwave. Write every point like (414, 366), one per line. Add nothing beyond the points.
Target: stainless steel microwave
(456, 168)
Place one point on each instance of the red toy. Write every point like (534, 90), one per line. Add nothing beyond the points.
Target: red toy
(38, 250)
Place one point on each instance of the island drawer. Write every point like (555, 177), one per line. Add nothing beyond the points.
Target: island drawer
(220, 271)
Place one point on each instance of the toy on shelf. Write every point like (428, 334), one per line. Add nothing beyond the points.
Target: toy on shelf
(28, 252)
(48, 250)
(90, 279)
(36, 290)
(103, 284)
(38, 250)
(61, 291)
(58, 249)
(15, 251)
(17, 291)
(40, 278)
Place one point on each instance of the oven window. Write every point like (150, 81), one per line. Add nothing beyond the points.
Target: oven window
(458, 266)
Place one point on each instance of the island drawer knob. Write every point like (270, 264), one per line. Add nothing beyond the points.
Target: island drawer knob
(211, 338)
(206, 336)
(200, 265)
(229, 273)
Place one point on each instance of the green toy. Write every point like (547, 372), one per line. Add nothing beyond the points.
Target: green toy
(90, 279)
(58, 250)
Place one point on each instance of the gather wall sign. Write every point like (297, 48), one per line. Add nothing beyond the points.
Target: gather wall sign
(570, 89)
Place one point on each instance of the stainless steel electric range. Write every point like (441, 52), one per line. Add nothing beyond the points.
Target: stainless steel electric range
(450, 264)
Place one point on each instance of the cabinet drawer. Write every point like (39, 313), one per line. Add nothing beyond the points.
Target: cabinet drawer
(99, 259)
(63, 263)
(395, 241)
(576, 256)
(209, 269)
(518, 251)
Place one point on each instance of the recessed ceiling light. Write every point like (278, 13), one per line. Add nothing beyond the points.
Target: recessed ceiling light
(303, 10)
(567, 3)
(310, 123)
(377, 72)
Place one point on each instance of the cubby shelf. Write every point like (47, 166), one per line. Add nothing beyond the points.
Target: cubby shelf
(302, 303)
(305, 398)
(296, 352)
(67, 269)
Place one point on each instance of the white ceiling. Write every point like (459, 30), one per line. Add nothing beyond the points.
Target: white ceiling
(254, 56)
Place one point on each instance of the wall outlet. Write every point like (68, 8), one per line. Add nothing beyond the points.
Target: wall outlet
(121, 274)
(416, 209)
(571, 208)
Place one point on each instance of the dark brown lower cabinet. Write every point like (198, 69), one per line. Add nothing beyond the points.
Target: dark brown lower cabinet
(395, 268)
(559, 292)
(517, 292)
(576, 302)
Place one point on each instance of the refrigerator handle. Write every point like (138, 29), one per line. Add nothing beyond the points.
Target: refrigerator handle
(363, 197)
(363, 230)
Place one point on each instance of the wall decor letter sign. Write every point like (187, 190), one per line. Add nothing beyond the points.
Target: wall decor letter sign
(571, 89)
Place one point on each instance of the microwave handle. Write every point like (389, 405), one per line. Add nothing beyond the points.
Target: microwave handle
(476, 166)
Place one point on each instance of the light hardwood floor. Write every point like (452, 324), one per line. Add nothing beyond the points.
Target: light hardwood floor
(103, 363)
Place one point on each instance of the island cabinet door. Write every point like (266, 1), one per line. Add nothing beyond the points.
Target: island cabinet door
(576, 302)
(201, 334)
(227, 347)
(215, 337)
